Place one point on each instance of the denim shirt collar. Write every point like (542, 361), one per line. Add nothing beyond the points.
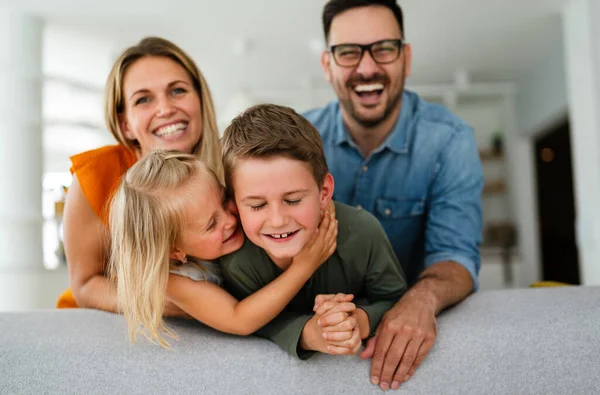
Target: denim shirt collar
(398, 140)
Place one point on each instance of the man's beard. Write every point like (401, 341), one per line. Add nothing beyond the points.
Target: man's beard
(393, 101)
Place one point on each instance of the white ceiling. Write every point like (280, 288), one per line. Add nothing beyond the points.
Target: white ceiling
(491, 39)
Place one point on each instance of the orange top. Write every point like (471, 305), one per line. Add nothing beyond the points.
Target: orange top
(99, 173)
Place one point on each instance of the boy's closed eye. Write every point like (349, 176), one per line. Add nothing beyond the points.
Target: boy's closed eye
(256, 207)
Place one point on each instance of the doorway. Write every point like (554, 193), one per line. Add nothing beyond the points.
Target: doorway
(556, 205)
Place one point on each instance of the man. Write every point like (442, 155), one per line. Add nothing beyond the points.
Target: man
(414, 165)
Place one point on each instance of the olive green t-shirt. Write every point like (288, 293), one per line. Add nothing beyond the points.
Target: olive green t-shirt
(364, 264)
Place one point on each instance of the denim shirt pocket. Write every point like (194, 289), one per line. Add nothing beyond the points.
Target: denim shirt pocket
(397, 208)
(402, 221)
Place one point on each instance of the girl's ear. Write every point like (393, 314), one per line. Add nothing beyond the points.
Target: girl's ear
(326, 191)
(177, 254)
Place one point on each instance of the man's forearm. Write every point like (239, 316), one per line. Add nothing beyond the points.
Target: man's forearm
(442, 284)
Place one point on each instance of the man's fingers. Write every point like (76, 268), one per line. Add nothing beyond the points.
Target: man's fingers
(392, 360)
(423, 351)
(369, 348)
(407, 361)
(384, 340)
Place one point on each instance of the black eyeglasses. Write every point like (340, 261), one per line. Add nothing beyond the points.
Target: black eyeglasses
(350, 55)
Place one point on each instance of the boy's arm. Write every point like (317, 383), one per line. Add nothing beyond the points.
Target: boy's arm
(285, 329)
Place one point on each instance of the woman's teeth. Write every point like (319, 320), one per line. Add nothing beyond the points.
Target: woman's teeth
(170, 129)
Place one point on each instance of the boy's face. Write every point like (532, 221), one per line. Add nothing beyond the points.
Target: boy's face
(279, 204)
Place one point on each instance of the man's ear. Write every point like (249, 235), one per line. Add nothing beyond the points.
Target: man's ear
(407, 49)
(326, 191)
(325, 59)
(124, 125)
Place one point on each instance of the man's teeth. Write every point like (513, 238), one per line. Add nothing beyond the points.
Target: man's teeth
(170, 129)
(368, 87)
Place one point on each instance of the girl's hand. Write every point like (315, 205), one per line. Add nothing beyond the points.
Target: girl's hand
(322, 244)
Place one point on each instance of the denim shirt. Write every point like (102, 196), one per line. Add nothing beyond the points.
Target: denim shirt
(423, 183)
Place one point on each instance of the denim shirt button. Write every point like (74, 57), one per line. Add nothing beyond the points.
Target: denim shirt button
(365, 168)
(387, 212)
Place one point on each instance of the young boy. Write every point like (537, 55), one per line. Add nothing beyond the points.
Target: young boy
(276, 170)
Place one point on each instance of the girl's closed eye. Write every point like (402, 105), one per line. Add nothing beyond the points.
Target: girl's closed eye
(212, 225)
(293, 202)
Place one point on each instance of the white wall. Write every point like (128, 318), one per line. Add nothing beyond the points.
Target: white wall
(582, 52)
(542, 94)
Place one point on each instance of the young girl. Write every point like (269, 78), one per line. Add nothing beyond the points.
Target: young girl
(169, 217)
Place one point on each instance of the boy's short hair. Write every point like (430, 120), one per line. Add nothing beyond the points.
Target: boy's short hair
(269, 130)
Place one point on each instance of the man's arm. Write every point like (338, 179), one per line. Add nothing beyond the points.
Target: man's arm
(443, 284)
(453, 232)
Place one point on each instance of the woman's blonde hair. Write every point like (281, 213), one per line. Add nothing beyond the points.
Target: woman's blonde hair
(147, 217)
(208, 148)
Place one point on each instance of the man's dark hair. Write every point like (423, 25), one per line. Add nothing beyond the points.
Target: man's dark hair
(335, 7)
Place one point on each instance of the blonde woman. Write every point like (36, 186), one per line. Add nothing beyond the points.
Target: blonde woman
(155, 97)
(168, 218)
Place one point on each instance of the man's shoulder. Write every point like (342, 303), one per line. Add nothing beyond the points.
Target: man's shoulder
(323, 118)
(434, 117)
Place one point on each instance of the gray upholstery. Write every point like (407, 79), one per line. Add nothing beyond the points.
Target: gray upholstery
(530, 341)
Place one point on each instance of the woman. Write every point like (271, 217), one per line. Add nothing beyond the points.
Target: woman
(155, 98)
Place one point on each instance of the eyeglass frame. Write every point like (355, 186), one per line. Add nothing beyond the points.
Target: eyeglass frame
(368, 47)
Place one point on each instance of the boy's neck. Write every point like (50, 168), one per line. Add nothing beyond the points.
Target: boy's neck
(282, 263)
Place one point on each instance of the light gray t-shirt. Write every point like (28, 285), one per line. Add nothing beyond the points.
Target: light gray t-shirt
(199, 270)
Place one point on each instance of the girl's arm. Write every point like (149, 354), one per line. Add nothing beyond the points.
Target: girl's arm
(216, 308)
(87, 243)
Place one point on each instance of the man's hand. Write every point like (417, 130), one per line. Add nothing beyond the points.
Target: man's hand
(403, 339)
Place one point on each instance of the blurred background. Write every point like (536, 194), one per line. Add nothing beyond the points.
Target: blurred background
(524, 74)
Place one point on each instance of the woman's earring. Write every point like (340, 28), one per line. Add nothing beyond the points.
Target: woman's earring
(183, 260)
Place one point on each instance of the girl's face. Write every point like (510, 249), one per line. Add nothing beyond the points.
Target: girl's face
(161, 106)
(210, 230)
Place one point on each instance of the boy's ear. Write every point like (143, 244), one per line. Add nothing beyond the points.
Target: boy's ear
(326, 191)
(125, 127)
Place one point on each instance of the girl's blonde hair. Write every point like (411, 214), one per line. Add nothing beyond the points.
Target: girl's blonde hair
(208, 148)
(147, 217)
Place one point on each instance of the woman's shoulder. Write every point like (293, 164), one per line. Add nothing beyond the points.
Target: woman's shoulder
(109, 156)
(99, 172)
